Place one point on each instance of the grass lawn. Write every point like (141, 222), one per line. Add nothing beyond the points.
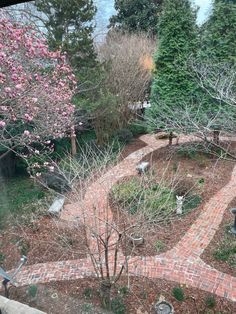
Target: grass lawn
(18, 196)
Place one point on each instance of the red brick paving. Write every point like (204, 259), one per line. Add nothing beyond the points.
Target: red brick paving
(182, 264)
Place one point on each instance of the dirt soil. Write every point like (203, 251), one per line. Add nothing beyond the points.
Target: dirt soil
(222, 235)
(205, 175)
(82, 296)
(44, 240)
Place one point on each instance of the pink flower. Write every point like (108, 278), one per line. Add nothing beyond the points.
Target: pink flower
(19, 86)
(7, 89)
(26, 133)
(34, 100)
(2, 124)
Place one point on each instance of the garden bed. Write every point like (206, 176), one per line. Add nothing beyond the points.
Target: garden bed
(42, 240)
(82, 296)
(221, 252)
(207, 174)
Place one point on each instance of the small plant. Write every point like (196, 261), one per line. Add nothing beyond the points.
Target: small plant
(118, 306)
(88, 293)
(210, 301)
(124, 291)
(178, 293)
(2, 258)
(24, 247)
(175, 166)
(159, 246)
(87, 308)
(201, 181)
(32, 290)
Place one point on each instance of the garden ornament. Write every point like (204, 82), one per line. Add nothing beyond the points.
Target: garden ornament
(179, 203)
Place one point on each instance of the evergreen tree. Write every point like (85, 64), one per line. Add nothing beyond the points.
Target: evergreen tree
(70, 26)
(218, 33)
(173, 85)
(136, 15)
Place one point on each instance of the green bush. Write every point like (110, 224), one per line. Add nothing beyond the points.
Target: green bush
(137, 128)
(124, 136)
(178, 293)
(118, 306)
(210, 301)
(191, 202)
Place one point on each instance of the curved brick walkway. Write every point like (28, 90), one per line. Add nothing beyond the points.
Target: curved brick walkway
(182, 264)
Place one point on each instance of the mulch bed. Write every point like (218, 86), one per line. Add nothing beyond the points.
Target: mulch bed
(44, 240)
(144, 293)
(217, 242)
(167, 164)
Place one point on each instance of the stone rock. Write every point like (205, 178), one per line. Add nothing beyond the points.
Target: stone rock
(143, 167)
(56, 181)
(57, 206)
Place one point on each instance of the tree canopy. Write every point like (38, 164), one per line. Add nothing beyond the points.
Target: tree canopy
(70, 26)
(136, 15)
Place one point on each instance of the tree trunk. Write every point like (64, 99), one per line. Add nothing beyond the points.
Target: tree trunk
(170, 138)
(216, 137)
(105, 288)
(73, 144)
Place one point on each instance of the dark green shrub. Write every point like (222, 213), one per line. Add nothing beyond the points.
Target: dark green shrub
(124, 135)
(88, 293)
(191, 202)
(178, 293)
(137, 128)
(124, 291)
(32, 290)
(118, 306)
(210, 301)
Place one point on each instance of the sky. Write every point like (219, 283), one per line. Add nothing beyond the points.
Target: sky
(106, 9)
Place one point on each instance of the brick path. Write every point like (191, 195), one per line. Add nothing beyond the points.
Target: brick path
(182, 264)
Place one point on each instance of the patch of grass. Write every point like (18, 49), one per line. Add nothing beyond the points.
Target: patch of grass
(210, 301)
(145, 196)
(178, 293)
(19, 196)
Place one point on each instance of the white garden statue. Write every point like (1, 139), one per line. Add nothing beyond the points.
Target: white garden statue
(179, 203)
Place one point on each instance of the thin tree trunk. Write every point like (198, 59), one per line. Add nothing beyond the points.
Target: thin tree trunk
(73, 144)
(105, 287)
(170, 138)
(216, 137)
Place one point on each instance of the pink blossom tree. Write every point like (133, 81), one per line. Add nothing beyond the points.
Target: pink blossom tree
(36, 88)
